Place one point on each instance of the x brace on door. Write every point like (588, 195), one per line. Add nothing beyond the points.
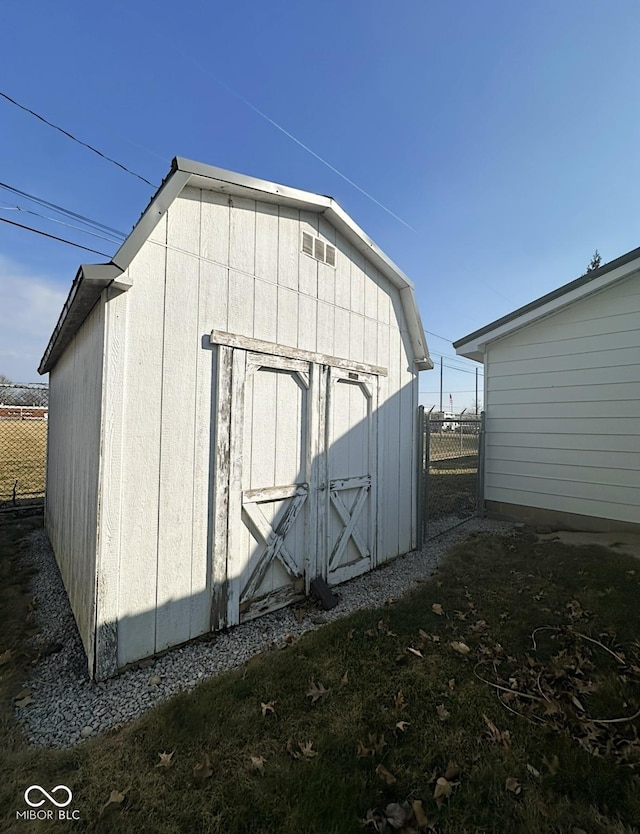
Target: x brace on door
(272, 540)
(349, 517)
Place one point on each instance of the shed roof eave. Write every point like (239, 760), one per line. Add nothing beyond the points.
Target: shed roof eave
(186, 172)
(85, 290)
(473, 346)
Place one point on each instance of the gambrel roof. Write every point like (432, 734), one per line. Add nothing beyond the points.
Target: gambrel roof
(473, 345)
(91, 279)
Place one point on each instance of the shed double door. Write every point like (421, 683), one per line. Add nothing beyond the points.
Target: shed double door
(301, 494)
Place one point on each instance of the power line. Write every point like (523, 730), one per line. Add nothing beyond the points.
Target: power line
(444, 338)
(75, 139)
(53, 237)
(463, 370)
(61, 222)
(61, 210)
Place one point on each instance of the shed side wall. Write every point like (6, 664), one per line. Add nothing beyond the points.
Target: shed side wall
(563, 409)
(75, 399)
(234, 265)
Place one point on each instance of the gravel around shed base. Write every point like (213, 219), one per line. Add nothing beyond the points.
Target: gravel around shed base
(68, 707)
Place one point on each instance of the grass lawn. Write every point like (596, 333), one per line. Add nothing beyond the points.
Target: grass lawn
(498, 697)
(23, 458)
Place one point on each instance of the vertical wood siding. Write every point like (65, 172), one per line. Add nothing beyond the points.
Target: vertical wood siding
(563, 409)
(236, 265)
(73, 468)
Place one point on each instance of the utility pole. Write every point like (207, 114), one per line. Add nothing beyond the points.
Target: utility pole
(441, 411)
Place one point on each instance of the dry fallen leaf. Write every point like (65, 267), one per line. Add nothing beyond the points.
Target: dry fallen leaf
(350, 633)
(402, 726)
(499, 736)
(442, 790)
(307, 749)
(396, 815)
(443, 712)
(452, 772)
(378, 744)
(116, 798)
(24, 693)
(577, 703)
(513, 785)
(452, 684)
(24, 702)
(533, 771)
(363, 752)
(257, 763)
(417, 652)
(385, 775)
(269, 707)
(460, 647)
(345, 677)
(437, 609)
(165, 759)
(418, 812)
(291, 749)
(316, 691)
(203, 769)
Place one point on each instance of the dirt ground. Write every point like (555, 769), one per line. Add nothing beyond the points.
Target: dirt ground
(620, 542)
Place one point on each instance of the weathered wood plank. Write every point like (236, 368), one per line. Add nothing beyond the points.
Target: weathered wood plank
(326, 342)
(342, 340)
(215, 223)
(276, 493)
(308, 266)
(343, 273)
(214, 282)
(234, 340)
(242, 235)
(371, 282)
(287, 319)
(145, 309)
(356, 338)
(307, 323)
(357, 282)
(110, 517)
(177, 448)
(241, 303)
(267, 242)
(265, 311)
(220, 578)
(235, 559)
(289, 245)
(326, 274)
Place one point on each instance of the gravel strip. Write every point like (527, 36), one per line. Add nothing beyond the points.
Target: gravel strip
(68, 707)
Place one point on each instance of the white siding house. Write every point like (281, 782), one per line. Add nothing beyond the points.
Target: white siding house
(233, 413)
(562, 403)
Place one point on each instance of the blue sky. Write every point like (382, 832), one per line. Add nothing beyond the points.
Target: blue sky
(504, 135)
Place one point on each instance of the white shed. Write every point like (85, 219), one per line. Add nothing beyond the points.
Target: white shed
(562, 403)
(233, 409)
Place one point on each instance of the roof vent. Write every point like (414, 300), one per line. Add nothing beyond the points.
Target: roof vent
(318, 249)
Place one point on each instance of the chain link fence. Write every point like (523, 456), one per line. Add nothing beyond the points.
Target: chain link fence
(450, 471)
(24, 409)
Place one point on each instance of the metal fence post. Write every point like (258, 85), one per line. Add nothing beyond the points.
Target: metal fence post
(420, 465)
(427, 460)
(481, 458)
